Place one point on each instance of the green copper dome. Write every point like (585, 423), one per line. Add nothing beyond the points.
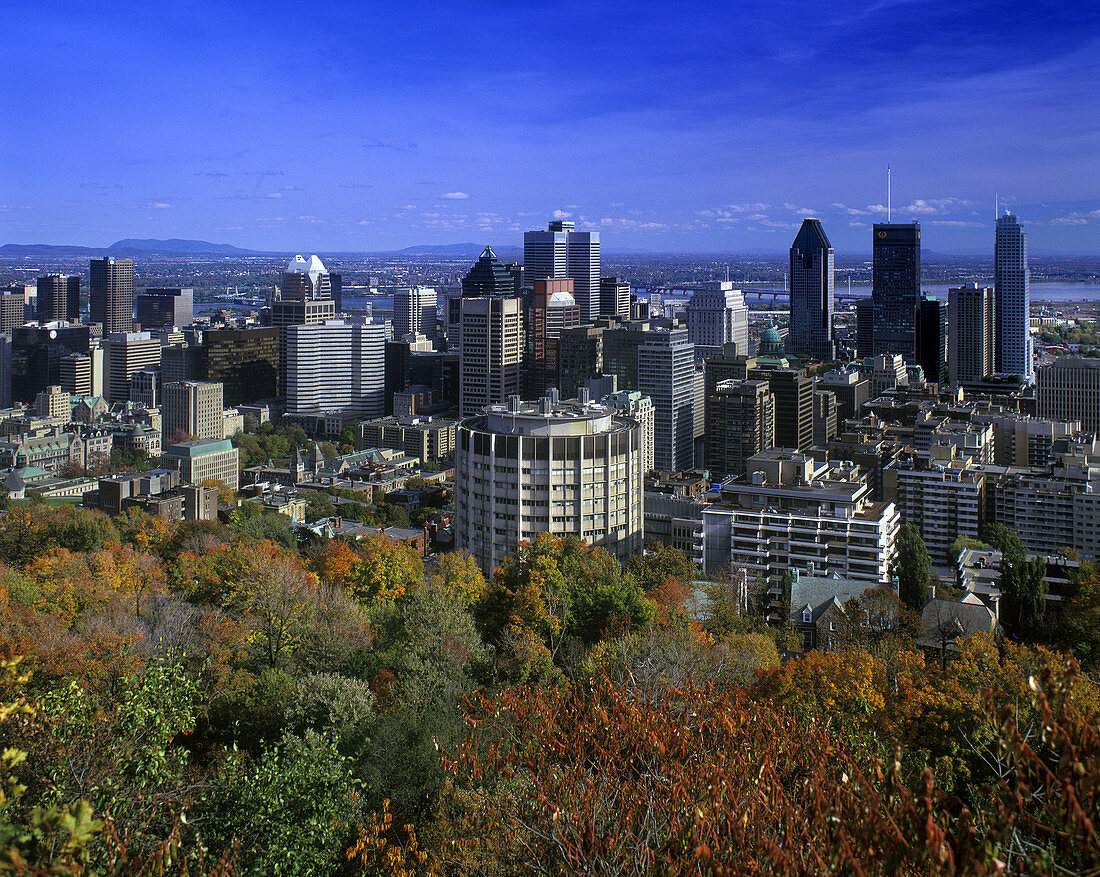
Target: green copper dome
(771, 343)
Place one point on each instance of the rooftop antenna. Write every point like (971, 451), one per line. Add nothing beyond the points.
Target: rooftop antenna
(889, 204)
(996, 206)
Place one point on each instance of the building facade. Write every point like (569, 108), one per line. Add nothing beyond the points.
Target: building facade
(203, 459)
(930, 341)
(895, 285)
(567, 468)
(111, 294)
(336, 366)
(1069, 389)
(1012, 291)
(58, 297)
(491, 351)
(192, 410)
(562, 251)
(717, 316)
(740, 423)
(165, 307)
(971, 331)
(811, 293)
(666, 374)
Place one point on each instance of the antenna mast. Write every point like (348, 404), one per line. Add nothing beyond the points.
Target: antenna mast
(889, 204)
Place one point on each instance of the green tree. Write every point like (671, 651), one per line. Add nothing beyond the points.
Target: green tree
(911, 567)
(1023, 582)
(292, 808)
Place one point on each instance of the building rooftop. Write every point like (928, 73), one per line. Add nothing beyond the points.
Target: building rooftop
(198, 448)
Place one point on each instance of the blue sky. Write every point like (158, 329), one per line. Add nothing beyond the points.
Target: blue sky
(667, 126)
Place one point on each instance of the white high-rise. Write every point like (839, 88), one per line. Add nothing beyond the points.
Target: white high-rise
(336, 366)
(562, 251)
(717, 316)
(414, 312)
(666, 373)
(1012, 298)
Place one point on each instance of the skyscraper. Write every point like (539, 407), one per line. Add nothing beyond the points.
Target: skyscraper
(1012, 297)
(811, 330)
(414, 312)
(491, 351)
(336, 367)
(59, 297)
(717, 316)
(740, 423)
(970, 345)
(551, 310)
(306, 279)
(165, 308)
(191, 410)
(562, 251)
(111, 294)
(488, 276)
(614, 298)
(930, 342)
(666, 373)
(895, 285)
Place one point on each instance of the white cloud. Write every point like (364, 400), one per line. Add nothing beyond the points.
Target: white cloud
(801, 211)
(161, 205)
(958, 223)
(561, 214)
(454, 196)
(1071, 219)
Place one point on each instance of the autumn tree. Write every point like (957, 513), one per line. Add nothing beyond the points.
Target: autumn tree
(388, 568)
(460, 572)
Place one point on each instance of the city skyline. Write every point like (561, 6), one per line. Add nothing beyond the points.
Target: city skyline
(630, 125)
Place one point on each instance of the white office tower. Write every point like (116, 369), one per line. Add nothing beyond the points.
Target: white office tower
(569, 468)
(414, 312)
(490, 352)
(666, 373)
(1012, 298)
(336, 366)
(306, 280)
(562, 251)
(717, 316)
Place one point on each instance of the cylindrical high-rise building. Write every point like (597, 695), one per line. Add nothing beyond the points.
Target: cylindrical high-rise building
(568, 468)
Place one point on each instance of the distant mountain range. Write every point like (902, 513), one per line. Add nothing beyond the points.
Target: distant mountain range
(126, 247)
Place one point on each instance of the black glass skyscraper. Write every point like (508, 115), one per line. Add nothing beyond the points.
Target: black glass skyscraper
(811, 331)
(895, 285)
(930, 345)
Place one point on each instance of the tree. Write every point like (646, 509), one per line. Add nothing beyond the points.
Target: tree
(1023, 583)
(387, 569)
(293, 808)
(911, 567)
(460, 572)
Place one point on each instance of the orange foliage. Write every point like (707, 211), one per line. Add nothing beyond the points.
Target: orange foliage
(338, 564)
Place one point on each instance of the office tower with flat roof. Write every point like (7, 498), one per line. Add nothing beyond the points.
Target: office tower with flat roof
(1069, 389)
(191, 410)
(851, 390)
(336, 366)
(13, 311)
(111, 294)
(895, 285)
(58, 297)
(165, 307)
(202, 459)
(930, 339)
(562, 251)
(580, 357)
(740, 424)
(811, 295)
(245, 361)
(572, 468)
(614, 298)
(552, 309)
(1012, 297)
(126, 353)
(336, 290)
(666, 373)
(971, 322)
(865, 327)
(717, 316)
(36, 356)
(75, 372)
(491, 350)
(414, 312)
